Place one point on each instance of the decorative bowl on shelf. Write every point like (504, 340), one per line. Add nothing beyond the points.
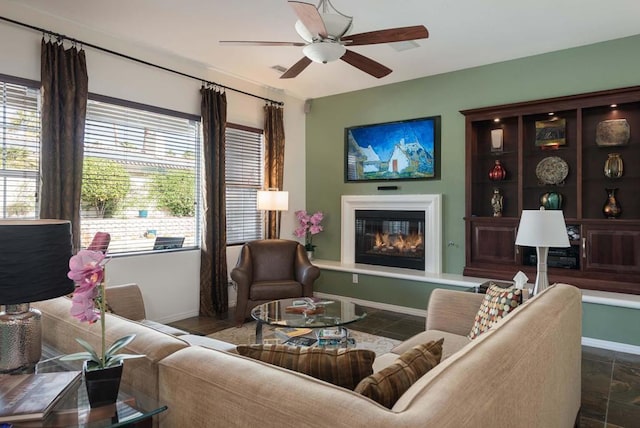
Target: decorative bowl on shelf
(552, 170)
(614, 132)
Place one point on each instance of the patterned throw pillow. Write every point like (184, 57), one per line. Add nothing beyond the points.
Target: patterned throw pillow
(341, 367)
(497, 303)
(387, 385)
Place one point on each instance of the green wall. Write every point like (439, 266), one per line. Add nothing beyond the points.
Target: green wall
(595, 67)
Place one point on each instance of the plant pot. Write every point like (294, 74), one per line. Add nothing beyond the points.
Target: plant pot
(102, 384)
(143, 213)
(310, 255)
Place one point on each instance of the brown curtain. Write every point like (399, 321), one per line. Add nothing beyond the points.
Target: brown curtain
(274, 159)
(214, 298)
(64, 108)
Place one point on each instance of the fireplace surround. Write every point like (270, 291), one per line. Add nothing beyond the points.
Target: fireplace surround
(429, 204)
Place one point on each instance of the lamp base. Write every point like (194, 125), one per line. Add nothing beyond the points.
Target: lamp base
(21, 338)
(542, 281)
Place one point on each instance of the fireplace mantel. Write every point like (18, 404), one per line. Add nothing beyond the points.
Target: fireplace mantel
(430, 204)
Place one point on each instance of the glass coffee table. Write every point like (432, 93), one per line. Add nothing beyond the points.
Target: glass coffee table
(306, 312)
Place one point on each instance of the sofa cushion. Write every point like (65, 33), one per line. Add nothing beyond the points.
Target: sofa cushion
(387, 385)
(497, 303)
(342, 367)
(452, 342)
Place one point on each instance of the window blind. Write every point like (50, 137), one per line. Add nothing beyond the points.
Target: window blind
(140, 177)
(19, 150)
(244, 177)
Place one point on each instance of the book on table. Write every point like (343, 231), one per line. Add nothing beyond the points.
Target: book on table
(286, 333)
(32, 396)
(301, 341)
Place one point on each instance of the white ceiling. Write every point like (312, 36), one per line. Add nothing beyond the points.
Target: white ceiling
(463, 33)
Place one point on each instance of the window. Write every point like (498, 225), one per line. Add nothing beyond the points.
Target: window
(19, 148)
(244, 177)
(141, 176)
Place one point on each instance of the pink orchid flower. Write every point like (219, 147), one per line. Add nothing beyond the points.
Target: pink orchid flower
(83, 305)
(87, 269)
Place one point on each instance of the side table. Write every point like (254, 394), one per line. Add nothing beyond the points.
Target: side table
(131, 410)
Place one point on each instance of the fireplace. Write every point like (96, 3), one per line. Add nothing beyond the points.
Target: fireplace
(390, 238)
(406, 217)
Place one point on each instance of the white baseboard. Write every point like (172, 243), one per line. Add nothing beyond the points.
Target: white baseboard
(177, 317)
(376, 305)
(611, 346)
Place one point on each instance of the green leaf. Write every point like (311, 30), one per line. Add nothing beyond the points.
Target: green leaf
(119, 344)
(77, 356)
(114, 360)
(89, 348)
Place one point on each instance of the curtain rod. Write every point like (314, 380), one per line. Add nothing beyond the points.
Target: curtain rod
(71, 39)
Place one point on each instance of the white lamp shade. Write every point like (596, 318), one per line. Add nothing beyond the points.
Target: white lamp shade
(273, 200)
(324, 52)
(542, 228)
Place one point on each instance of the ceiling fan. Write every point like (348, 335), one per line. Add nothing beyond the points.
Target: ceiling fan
(324, 31)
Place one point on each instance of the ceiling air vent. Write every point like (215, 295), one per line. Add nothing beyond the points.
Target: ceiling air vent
(279, 68)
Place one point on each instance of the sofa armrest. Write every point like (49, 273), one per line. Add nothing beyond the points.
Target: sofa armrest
(452, 311)
(126, 300)
(306, 273)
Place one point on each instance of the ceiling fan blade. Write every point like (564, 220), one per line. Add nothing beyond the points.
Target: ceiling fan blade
(400, 34)
(296, 68)
(258, 43)
(365, 64)
(310, 17)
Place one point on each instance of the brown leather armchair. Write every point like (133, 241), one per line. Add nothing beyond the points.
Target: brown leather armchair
(271, 269)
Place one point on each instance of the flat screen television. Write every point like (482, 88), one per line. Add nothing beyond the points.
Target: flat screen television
(403, 150)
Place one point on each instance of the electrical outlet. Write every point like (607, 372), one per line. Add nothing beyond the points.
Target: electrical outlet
(354, 278)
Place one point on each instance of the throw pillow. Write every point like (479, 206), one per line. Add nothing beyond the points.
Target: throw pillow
(341, 367)
(497, 303)
(387, 385)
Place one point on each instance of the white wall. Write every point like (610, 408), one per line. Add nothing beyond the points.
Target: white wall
(169, 282)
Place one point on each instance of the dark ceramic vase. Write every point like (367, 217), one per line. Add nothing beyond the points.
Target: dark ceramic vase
(551, 201)
(102, 385)
(612, 208)
(498, 172)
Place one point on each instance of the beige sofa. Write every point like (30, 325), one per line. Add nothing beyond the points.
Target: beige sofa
(524, 372)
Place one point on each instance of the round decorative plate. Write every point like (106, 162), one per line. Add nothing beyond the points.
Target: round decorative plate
(552, 170)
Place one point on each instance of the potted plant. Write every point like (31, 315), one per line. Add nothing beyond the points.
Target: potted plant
(102, 370)
(309, 226)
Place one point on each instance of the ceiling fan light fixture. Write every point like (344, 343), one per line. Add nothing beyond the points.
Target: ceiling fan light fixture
(336, 25)
(324, 52)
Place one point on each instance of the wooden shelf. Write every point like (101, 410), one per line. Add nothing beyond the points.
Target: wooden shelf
(609, 249)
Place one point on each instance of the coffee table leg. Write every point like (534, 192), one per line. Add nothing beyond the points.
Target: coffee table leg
(258, 332)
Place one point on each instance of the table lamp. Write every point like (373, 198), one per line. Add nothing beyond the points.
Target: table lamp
(273, 200)
(542, 229)
(34, 261)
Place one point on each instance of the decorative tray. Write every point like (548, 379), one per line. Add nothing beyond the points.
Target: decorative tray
(552, 170)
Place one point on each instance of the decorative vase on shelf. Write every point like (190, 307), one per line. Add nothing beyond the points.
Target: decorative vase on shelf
(551, 200)
(496, 203)
(613, 166)
(102, 384)
(612, 208)
(498, 172)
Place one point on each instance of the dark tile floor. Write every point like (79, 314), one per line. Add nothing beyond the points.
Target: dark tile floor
(610, 380)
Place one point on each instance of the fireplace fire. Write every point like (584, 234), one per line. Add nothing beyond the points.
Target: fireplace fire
(390, 238)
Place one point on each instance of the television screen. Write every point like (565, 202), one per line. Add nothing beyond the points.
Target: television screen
(404, 150)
